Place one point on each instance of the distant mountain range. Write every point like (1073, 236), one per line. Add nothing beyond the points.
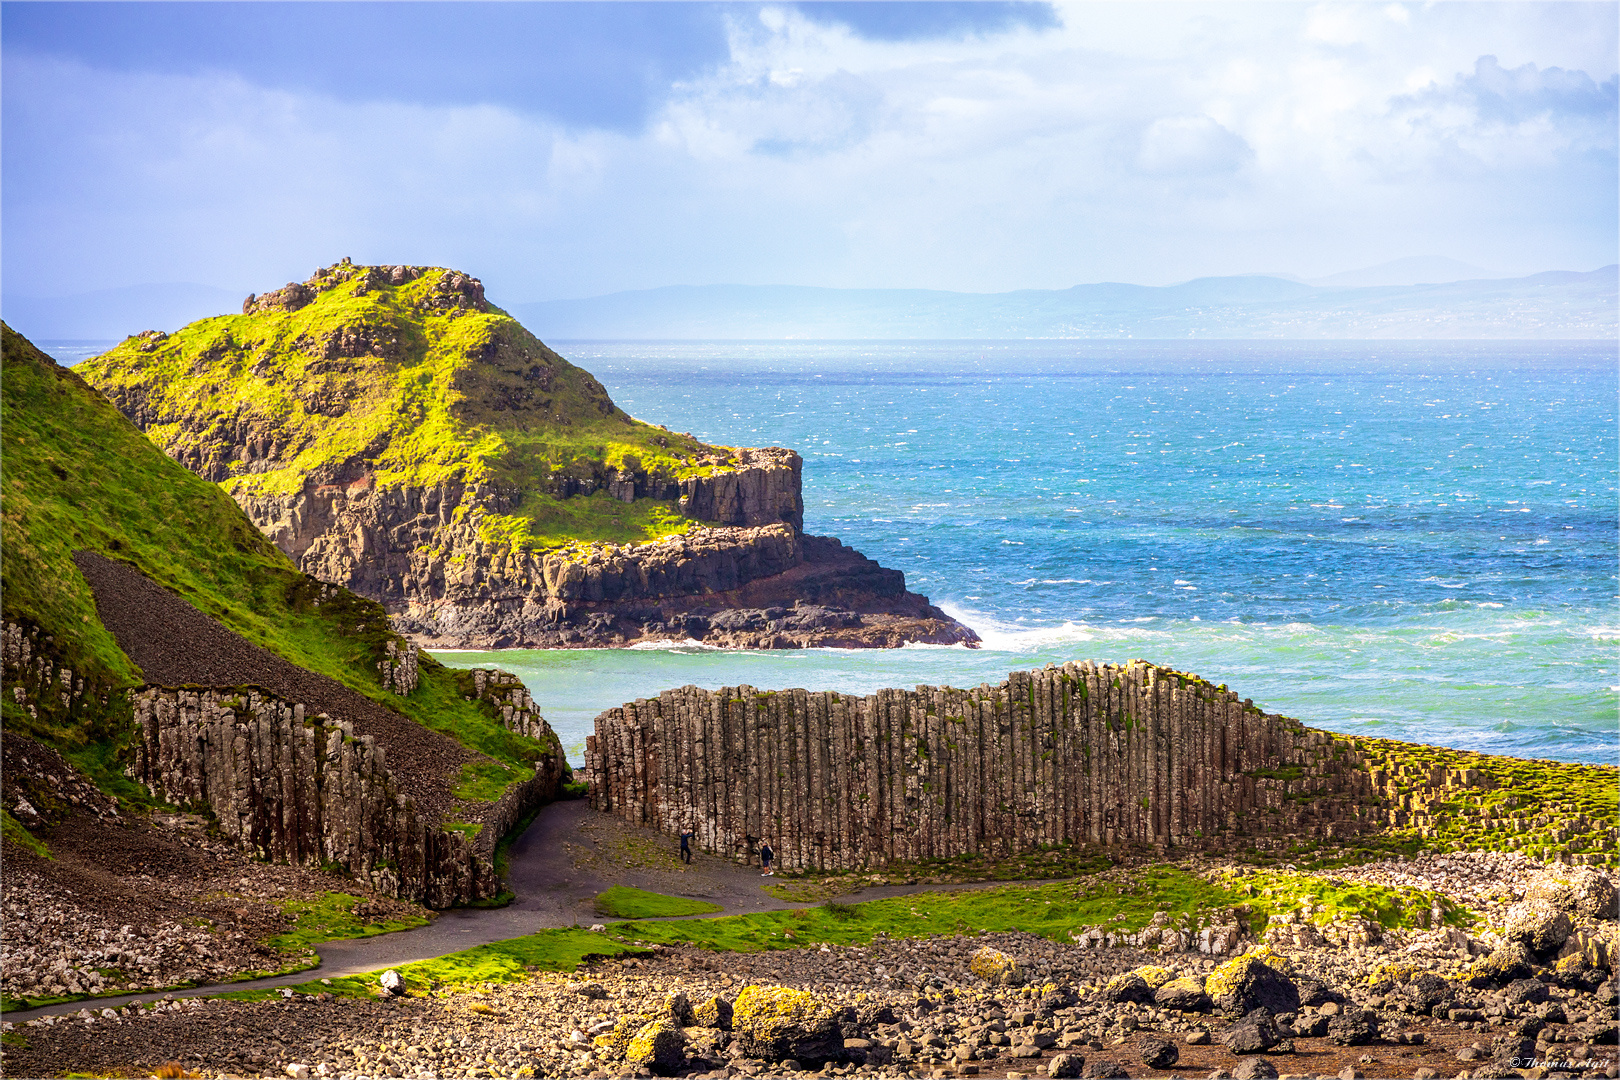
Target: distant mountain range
(1557, 304)
(1554, 305)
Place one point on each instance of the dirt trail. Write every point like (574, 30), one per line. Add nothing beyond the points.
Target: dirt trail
(558, 865)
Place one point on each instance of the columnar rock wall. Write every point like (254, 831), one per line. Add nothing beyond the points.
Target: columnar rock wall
(300, 789)
(1086, 753)
(519, 711)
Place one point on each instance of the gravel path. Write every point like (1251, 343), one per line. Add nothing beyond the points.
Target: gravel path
(174, 644)
(568, 855)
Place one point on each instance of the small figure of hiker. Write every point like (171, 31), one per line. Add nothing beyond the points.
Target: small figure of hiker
(686, 843)
(765, 857)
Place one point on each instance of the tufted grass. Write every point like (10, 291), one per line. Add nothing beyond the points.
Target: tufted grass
(331, 917)
(624, 902)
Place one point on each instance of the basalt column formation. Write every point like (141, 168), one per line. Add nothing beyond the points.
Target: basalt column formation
(1110, 755)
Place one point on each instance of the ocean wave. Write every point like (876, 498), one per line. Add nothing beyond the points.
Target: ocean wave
(689, 645)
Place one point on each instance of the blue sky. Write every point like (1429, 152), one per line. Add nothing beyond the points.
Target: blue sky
(559, 150)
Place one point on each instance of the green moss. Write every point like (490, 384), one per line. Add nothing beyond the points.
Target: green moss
(502, 961)
(13, 830)
(436, 397)
(1056, 911)
(624, 902)
(331, 917)
(483, 781)
(1438, 799)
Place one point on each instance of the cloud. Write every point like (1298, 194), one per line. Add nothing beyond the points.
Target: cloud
(594, 65)
(1496, 116)
(1129, 142)
(1191, 146)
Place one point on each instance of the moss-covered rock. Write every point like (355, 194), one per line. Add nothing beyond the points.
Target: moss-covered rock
(778, 1022)
(996, 967)
(1184, 995)
(1506, 963)
(1153, 975)
(1249, 982)
(713, 1013)
(616, 1040)
(659, 1046)
(1128, 986)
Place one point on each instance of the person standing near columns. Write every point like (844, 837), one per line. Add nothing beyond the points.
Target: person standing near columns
(765, 857)
(686, 843)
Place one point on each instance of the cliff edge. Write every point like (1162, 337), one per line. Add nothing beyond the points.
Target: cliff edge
(396, 434)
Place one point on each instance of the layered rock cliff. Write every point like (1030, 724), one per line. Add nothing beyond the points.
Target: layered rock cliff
(396, 434)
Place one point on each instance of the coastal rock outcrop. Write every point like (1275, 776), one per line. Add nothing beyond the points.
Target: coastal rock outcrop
(396, 434)
(300, 789)
(1087, 753)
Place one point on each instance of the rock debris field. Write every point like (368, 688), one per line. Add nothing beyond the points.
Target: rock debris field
(1535, 997)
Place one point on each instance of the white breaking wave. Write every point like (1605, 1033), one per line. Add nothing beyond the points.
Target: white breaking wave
(671, 645)
(998, 636)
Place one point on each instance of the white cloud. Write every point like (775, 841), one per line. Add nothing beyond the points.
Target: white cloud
(1191, 146)
(1137, 142)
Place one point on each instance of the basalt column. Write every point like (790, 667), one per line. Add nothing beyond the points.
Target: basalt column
(1132, 755)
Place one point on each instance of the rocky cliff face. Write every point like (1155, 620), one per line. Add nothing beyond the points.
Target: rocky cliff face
(396, 434)
(1087, 754)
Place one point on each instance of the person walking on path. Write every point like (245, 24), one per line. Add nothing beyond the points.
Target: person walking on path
(686, 843)
(765, 857)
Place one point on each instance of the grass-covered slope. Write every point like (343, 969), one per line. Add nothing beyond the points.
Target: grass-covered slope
(77, 475)
(408, 374)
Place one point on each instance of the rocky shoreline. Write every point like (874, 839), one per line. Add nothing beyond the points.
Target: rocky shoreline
(1417, 1003)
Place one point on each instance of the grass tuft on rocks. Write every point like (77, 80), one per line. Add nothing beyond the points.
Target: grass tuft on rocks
(332, 917)
(625, 902)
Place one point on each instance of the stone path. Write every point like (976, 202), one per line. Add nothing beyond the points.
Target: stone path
(558, 866)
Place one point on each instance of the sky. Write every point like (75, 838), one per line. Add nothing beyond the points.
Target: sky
(560, 150)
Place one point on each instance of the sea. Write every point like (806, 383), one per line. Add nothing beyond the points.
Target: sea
(1409, 540)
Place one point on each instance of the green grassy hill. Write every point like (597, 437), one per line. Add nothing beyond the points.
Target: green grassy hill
(408, 374)
(77, 475)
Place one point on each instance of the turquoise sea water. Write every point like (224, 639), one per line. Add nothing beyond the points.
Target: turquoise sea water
(1408, 540)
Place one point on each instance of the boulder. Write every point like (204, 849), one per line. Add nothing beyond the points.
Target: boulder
(1158, 1053)
(392, 983)
(1254, 1034)
(1065, 1066)
(1315, 993)
(1358, 1027)
(1539, 925)
(1154, 976)
(1426, 990)
(713, 1013)
(1581, 892)
(996, 968)
(1183, 995)
(658, 1046)
(676, 1009)
(1128, 987)
(777, 1022)
(1525, 992)
(1254, 1068)
(1247, 982)
(1511, 961)
(616, 1040)
(1103, 1069)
